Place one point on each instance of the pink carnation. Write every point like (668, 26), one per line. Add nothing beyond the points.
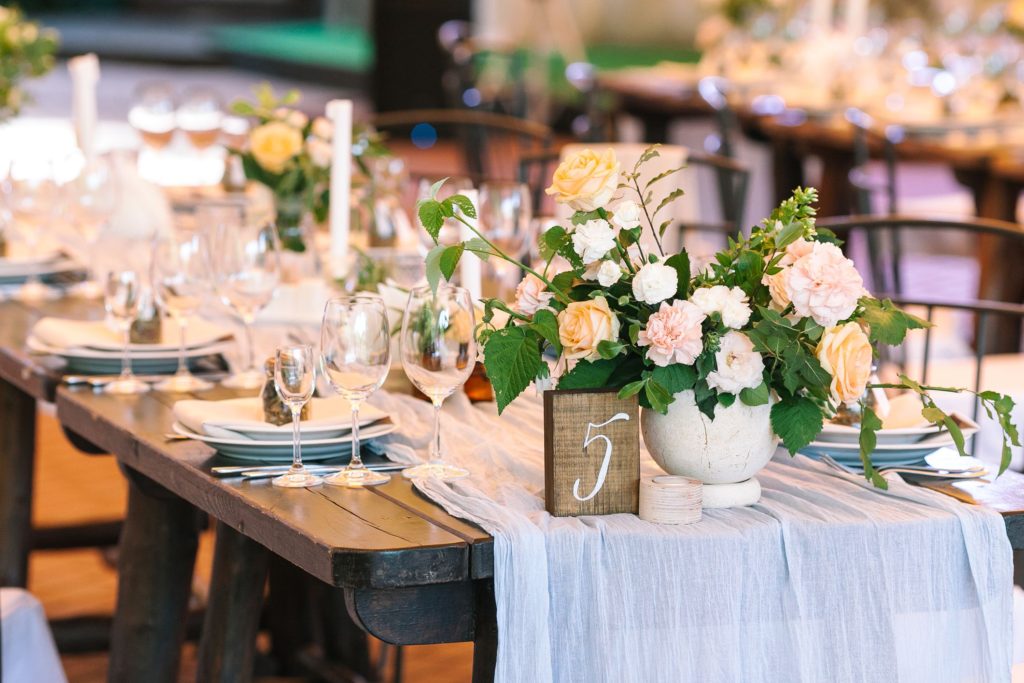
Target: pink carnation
(824, 285)
(673, 334)
(796, 249)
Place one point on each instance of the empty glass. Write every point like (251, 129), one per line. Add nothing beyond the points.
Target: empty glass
(180, 277)
(199, 116)
(246, 265)
(438, 354)
(152, 114)
(121, 296)
(506, 220)
(92, 197)
(295, 379)
(31, 194)
(355, 347)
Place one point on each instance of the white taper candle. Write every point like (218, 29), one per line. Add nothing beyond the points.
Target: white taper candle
(470, 266)
(340, 114)
(85, 75)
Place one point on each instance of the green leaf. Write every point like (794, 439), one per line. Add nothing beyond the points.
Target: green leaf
(431, 217)
(662, 175)
(512, 360)
(726, 400)
(797, 420)
(436, 187)
(610, 348)
(675, 377)
(868, 438)
(669, 198)
(658, 396)
(589, 374)
(789, 233)
(888, 323)
(546, 325)
(450, 260)
(631, 389)
(563, 281)
(478, 247)
(758, 396)
(552, 241)
(681, 264)
(433, 266)
(463, 203)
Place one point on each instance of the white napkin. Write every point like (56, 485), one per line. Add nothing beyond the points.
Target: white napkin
(66, 334)
(231, 418)
(301, 303)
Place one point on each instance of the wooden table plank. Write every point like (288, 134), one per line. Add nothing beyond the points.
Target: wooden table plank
(343, 537)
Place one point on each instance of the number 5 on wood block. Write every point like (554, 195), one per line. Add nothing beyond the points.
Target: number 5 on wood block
(591, 453)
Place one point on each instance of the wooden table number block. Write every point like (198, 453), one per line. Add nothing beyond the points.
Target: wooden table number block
(591, 453)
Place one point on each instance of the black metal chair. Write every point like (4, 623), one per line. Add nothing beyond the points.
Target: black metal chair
(491, 145)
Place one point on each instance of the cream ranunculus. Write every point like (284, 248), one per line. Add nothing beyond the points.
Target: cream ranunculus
(845, 353)
(274, 144)
(585, 324)
(654, 283)
(586, 181)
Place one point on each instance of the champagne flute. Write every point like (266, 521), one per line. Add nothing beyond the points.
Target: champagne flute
(295, 379)
(438, 354)
(179, 276)
(93, 195)
(246, 264)
(121, 295)
(355, 347)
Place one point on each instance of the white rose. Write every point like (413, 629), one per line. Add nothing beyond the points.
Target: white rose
(626, 214)
(606, 273)
(593, 240)
(654, 283)
(729, 302)
(739, 365)
(319, 152)
(323, 128)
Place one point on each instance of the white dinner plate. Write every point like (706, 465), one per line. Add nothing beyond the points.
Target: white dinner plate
(312, 449)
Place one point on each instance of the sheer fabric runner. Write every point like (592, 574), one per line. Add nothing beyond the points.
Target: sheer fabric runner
(825, 579)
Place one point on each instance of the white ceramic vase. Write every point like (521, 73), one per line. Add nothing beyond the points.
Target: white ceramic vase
(724, 453)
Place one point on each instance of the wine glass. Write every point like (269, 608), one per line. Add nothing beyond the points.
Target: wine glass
(246, 265)
(295, 379)
(200, 116)
(152, 114)
(92, 196)
(121, 296)
(355, 348)
(506, 220)
(438, 354)
(180, 279)
(31, 194)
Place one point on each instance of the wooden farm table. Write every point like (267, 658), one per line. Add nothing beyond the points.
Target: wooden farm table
(409, 572)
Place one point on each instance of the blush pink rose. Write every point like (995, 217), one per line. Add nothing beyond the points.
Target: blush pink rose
(673, 334)
(824, 285)
(531, 295)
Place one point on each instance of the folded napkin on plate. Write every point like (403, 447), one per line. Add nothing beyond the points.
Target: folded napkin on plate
(301, 303)
(96, 334)
(232, 417)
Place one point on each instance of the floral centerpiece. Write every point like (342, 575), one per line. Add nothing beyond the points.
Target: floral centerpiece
(290, 154)
(26, 51)
(779, 322)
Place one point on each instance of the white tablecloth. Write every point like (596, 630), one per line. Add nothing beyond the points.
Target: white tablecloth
(825, 579)
(29, 655)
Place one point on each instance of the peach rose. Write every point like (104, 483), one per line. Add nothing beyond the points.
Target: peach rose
(845, 353)
(585, 324)
(531, 295)
(586, 181)
(274, 144)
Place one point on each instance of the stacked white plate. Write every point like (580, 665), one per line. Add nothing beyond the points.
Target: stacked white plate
(93, 347)
(905, 438)
(235, 427)
(17, 268)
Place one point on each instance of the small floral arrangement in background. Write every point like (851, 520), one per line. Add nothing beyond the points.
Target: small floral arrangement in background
(290, 154)
(780, 317)
(26, 51)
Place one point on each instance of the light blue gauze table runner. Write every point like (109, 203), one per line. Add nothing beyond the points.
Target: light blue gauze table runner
(824, 580)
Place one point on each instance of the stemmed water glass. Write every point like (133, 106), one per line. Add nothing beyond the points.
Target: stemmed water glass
(180, 279)
(30, 193)
(246, 265)
(152, 114)
(92, 195)
(295, 379)
(355, 347)
(506, 212)
(121, 296)
(438, 354)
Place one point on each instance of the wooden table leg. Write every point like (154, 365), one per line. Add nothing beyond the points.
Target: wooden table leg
(157, 555)
(485, 632)
(232, 620)
(17, 463)
(787, 169)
